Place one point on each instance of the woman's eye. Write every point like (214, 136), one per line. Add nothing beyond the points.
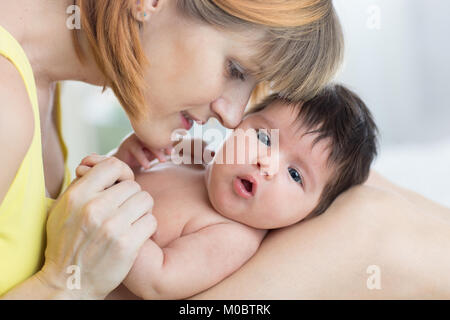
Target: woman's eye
(263, 137)
(296, 176)
(235, 72)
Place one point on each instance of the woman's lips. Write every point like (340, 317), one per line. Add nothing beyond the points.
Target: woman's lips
(186, 121)
(242, 184)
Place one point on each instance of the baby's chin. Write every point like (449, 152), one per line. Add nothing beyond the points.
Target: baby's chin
(238, 215)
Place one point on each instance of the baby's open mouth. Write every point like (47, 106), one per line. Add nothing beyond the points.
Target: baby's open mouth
(245, 187)
(247, 184)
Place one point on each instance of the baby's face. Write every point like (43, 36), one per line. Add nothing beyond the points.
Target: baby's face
(267, 192)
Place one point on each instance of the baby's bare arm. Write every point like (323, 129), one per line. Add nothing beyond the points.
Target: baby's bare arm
(192, 263)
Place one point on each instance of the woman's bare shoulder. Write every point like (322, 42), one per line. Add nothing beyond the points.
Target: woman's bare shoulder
(16, 123)
(306, 260)
(329, 256)
(427, 206)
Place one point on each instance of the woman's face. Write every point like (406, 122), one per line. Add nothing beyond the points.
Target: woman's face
(196, 72)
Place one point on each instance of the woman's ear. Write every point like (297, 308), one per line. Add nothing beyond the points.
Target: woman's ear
(144, 9)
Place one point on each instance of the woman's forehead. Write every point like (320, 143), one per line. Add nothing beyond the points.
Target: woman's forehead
(246, 44)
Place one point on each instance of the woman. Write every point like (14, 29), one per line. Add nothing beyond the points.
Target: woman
(170, 62)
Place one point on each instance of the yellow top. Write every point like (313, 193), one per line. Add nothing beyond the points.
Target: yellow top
(23, 212)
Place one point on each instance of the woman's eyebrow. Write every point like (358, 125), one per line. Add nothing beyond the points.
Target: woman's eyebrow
(249, 65)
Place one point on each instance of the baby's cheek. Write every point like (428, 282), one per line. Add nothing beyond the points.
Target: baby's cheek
(286, 208)
(222, 200)
(271, 210)
(217, 197)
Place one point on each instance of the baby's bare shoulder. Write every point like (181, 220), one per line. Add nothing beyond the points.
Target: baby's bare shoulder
(164, 176)
(181, 200)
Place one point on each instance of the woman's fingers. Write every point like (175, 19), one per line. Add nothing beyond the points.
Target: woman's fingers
(118, 194)
(142, 229)
(89, 162)
(135, 207)
(105, 174)
(93, 160)
(82, 170)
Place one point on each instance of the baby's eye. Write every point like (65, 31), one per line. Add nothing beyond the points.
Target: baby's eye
(263, 137)
(296, 176)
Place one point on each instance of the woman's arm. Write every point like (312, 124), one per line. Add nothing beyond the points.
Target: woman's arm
(38, 288)
(328, 257)
(15, 113)
(97, 225)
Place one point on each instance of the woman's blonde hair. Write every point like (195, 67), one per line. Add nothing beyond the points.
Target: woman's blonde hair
(299, 54)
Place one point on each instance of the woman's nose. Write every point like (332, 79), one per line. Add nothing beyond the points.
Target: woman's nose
(229, 108)
(228, 113)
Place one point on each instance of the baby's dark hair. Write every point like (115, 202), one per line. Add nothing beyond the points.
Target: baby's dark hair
(337, 114)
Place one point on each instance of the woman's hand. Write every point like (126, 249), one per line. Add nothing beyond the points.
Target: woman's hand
(133, 152)
(97, 227)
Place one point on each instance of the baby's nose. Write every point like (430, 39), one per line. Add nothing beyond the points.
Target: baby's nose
(267, 174)
(264, 166)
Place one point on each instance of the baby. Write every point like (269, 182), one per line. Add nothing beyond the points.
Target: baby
(212, 220)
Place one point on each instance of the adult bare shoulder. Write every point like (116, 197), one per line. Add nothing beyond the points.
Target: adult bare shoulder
(426, 205)
(329, 256)
(16, 123)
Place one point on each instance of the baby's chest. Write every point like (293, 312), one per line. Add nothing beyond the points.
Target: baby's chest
(181, 212)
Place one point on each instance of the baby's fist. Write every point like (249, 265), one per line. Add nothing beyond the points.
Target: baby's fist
(133, 152)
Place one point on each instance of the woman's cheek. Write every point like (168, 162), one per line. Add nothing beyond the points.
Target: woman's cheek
(209, 91)
(211, 81)
(192, 93)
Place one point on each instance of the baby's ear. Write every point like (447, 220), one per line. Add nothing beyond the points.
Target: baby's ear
(143, 9)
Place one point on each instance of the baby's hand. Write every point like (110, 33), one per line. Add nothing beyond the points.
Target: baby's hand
(194, 151)
(133, 152)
